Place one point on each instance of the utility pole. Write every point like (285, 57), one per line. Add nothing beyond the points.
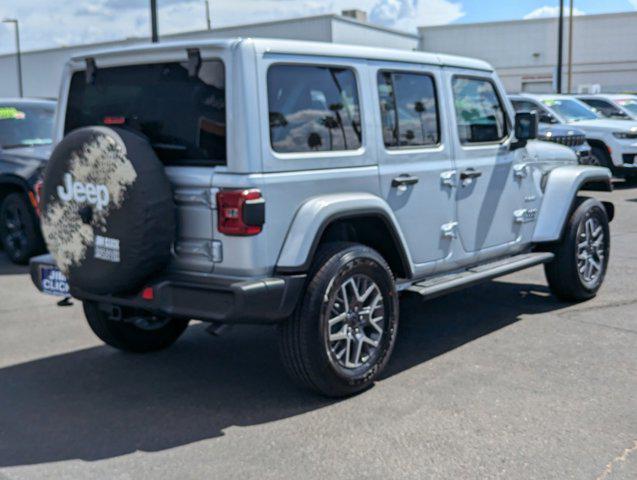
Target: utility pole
(208, 22)
(570, 48)
(153, 21)
(560, 39)
(18, 52)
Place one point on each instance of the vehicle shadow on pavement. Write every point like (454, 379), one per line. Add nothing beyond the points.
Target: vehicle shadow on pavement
(8, 268)
(97, 403)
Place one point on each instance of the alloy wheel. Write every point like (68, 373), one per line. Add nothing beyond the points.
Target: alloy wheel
(590, 251)
(356, 323)
(15, 230)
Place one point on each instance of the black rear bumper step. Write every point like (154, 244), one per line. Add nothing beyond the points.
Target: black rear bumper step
(265, 300)
(448, 283)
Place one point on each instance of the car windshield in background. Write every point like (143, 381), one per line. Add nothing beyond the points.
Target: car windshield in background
(628, 104)
(23, 125)
(183, 115)
(570, 110)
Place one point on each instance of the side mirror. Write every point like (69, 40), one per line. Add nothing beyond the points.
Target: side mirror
(526, 127)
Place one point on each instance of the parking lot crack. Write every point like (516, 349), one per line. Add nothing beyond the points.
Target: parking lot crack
(617, 460)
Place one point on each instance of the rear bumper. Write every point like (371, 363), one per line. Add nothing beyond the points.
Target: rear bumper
(266, 300)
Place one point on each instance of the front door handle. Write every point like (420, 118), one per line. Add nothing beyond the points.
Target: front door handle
(404, 180)
(470, 174)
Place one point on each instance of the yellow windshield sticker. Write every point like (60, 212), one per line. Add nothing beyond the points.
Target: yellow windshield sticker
(550, 103)
(11, 113)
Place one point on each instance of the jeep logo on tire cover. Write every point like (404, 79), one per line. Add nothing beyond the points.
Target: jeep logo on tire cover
(83, 192)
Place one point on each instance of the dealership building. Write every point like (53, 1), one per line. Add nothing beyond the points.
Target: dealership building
(523, 52)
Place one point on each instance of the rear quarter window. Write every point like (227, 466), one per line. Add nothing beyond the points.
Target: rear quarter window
(184, 117)
(313, 109)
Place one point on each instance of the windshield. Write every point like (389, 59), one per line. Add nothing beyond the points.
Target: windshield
(570, 110)
(629, 104)
(25, 125)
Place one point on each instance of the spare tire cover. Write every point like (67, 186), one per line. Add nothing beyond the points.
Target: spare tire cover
(108, 216)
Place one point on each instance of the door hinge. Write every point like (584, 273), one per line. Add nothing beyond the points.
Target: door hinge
(448, 178)
(521, 170)
(449, 230)
(525, 215)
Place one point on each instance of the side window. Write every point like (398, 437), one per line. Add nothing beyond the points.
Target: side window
(524, 106)
(408, 108)
(607, 109)
(313, 108)
(479, 111)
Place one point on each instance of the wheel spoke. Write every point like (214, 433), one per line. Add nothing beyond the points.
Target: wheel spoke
(357, 354)
(340, 335)
(338, 318)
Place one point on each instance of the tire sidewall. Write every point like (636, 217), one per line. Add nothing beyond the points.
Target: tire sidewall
(350, 261)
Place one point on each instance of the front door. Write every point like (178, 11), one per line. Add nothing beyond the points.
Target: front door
(489, 194)
(416, 169)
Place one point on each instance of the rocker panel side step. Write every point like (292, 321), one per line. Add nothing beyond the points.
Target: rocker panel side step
(447, 283)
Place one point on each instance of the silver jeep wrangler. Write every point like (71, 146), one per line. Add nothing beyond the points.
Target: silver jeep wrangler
(302, 184)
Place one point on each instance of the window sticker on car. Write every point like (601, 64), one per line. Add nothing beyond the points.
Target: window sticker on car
(53, 282)
(549, 103)
(107, 249)
(11, 113)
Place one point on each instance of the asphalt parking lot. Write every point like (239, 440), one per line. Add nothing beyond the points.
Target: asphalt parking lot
(499, 381)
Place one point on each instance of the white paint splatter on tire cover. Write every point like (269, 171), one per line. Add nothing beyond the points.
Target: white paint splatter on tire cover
(101, 161)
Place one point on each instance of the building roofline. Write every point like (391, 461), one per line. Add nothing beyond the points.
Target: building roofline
(177, 35)
(531, 20)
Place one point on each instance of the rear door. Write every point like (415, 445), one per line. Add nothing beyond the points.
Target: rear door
(182, 113)
(489, 195)
(416, 169)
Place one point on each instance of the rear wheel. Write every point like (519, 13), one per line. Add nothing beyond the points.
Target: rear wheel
(342, 334)
(18, 229)
(581, 257)
(136, 331)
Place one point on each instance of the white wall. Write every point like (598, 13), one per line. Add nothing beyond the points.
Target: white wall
(604, 49)
(42, 70)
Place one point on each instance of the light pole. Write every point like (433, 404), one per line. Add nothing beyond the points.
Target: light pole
(153, 21)
(208, 22)
(560, 39)
(18, 51)
(570, 48)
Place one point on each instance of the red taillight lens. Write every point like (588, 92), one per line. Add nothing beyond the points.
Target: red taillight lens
(36, 195)
(240, 212)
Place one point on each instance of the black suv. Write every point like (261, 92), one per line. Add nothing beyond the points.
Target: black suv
(26, 128)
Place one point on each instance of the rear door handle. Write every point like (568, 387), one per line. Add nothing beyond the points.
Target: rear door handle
(470, 174)
(404, 180)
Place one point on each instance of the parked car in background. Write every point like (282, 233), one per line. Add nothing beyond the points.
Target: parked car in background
(618, 106)
(561, 134)
(26, 130)
(613, 142)
(305, 184)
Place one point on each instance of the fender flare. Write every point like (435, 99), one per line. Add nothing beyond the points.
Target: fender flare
(560, 191)
(316, 214)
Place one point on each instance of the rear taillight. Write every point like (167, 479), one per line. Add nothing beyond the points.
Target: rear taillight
(36, 195)
(240, 212)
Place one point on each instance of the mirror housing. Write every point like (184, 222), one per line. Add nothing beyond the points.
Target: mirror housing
(526, 128)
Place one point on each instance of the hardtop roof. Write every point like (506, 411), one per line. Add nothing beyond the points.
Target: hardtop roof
(298, 47)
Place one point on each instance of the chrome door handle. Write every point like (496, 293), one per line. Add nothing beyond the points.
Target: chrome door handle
(404, 180)
(469, 174)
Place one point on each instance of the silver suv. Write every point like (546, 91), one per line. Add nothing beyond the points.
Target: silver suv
(305, 185)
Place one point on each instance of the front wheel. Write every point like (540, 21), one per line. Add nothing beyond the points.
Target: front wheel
(342, 334)
(581, 257)
(136, 331)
